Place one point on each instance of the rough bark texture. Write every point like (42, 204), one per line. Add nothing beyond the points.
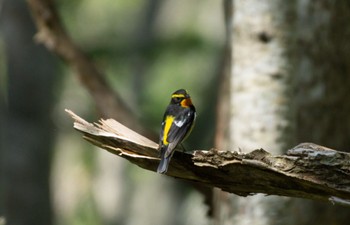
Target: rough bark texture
(323, 89)
(303, 172)
(261, 108)
(262, 112)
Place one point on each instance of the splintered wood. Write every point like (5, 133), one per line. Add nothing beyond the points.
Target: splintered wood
(307, 171)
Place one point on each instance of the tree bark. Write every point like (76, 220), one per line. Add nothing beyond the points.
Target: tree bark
(322, 91)
(306, 171)
(221, 141)
(262, 112)
(27, 135)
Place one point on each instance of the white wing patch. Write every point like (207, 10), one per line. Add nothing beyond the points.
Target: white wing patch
(179, 123)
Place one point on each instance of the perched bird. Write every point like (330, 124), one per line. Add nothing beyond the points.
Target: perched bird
(177, 123)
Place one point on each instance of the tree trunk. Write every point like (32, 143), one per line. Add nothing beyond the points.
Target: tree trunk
(262, 112)
(220, 205)
(27, 135)
(322, 93)
(263, 45)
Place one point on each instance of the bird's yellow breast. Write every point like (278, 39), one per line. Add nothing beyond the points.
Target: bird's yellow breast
(168, 121)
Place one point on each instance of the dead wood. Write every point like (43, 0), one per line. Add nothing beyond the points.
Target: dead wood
(306, 171)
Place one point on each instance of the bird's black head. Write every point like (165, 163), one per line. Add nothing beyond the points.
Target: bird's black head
(181, 97)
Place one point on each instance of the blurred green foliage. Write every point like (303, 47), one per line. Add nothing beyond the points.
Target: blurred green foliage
(181, 48)
(186, 59)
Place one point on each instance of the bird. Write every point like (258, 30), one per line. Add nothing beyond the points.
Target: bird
(178, 121)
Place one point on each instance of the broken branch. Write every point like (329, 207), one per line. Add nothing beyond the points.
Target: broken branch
(306, 171)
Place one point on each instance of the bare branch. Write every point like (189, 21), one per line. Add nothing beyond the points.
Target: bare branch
(306, 171)
(52, 34)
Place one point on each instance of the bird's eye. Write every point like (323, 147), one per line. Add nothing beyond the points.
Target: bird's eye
(176, 99)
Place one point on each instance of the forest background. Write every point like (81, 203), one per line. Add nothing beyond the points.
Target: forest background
(148, 49)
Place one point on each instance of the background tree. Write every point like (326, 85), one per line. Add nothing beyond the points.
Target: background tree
(183, 52)
(27, 131)
(322, 90)
(261, 110)
(274, 47)
(157, 48)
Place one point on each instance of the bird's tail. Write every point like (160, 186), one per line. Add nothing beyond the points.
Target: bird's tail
(164, 162)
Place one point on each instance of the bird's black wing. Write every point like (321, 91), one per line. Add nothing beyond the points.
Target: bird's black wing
(180, 127)
(161, 134)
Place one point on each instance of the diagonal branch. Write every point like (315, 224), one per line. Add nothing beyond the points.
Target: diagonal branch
(306, 171)
(52, 34)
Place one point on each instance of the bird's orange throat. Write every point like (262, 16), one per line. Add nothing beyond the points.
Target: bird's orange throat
(186, 102)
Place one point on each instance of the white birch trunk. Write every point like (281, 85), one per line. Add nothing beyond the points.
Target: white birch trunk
(262, 112)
